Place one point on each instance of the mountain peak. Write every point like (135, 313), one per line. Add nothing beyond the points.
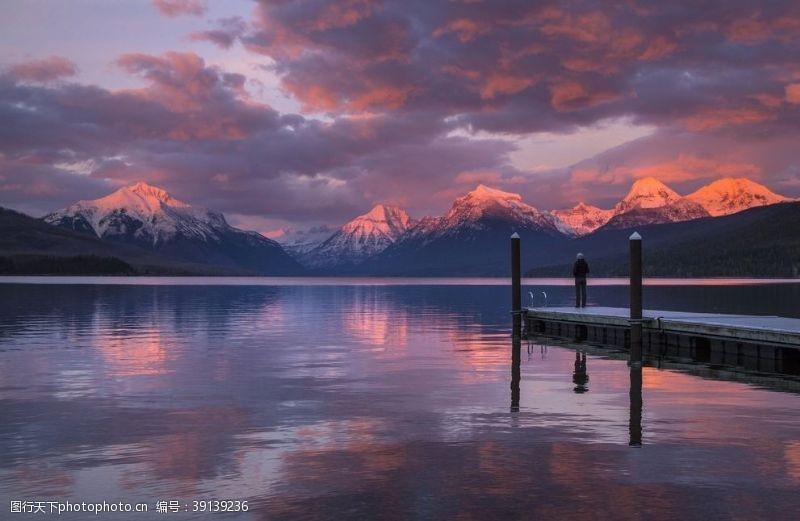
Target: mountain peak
(145, 190)
(647, 192)
(583, 218)
(651, 185)
(140, 212)
(364, 236)
(731, 195)
(385, 213)
(485, 192)
(648, 181)
(149, 193)
(382, 217)
(490, 203)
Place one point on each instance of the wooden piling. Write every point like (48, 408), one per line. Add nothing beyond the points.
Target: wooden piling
(636, 298)
(516, 285)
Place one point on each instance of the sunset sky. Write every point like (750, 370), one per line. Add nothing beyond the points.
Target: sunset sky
(289, 114)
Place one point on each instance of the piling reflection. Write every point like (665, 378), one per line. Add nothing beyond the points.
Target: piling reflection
(516, 358)
(580, 377)
(635, 424)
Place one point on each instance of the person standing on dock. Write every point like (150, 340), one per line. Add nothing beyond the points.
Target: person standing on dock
(579, 270)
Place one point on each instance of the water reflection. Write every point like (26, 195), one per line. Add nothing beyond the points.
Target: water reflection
(516, 361)
(580, 377)
(357, 402)
(635, 424)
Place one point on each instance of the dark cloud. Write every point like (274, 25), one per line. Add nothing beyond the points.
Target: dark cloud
(520, 66)
(395, 93)
(194, 130)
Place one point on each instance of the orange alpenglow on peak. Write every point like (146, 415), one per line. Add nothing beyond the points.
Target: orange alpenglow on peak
(732, 195)
(485, 192)
(647, 192)
(148, 190)
(383, 218)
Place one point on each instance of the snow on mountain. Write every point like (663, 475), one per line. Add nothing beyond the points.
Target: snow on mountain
(678, 211)
(471, 238)
(298, 242)
(361, 238)
(490, 203)
(729, 195)
(647, 192)
(482, 210)
(141, 213)
(649, 201)
(583, 218)
(149, 217)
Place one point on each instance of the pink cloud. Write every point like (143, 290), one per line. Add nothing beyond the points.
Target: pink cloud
(343, 13)
(465, 29)
(44, 70)
(500, 83)
(756, 28)
(715, 118)
(589, 28)
(793, 93)
(381, 97)
(173, 8)
(571, 95)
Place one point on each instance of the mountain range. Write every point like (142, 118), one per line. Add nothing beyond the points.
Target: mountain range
(154, 232)
(466, 239)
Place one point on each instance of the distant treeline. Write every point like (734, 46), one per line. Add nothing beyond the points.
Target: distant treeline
(74, 265)
(775, 261)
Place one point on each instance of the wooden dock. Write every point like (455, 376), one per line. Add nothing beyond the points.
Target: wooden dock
(763, 343)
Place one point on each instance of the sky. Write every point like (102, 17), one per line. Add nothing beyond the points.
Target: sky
(292, 114)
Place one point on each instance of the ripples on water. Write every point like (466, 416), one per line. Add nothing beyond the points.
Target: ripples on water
(334, 402)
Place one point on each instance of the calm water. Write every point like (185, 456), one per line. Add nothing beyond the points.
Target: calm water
(374, 401)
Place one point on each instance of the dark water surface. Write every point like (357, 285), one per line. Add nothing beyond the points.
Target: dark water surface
(375, 402)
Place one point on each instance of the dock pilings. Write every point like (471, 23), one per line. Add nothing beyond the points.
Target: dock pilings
(635, 241)
(516, 285)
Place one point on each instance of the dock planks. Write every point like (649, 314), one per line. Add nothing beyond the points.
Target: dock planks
(772, 330)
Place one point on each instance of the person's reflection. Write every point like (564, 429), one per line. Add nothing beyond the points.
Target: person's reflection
(580, 377)
(516, 357)
(635, 425)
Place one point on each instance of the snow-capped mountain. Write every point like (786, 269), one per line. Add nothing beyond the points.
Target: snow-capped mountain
(485, 202)
(650, 201)
(138, 213)
(471, 238)
(482, 207)
(149, 217)
(363, 237)
(729, 195)
(583, 218)
(647, 192)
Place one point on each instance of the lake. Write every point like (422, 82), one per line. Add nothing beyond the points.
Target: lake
(376, 399)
